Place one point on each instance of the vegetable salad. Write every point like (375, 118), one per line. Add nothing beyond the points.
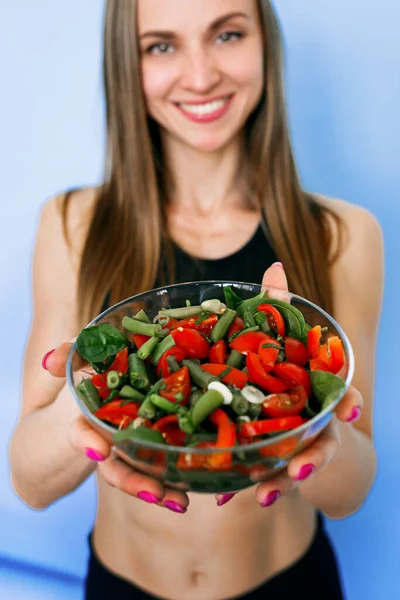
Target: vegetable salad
(215, 375)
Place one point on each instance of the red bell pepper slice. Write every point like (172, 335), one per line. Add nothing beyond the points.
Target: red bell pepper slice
(314, 341)
(237, 325)
(263, 427)
(274, 318)
(118, 415)
(249, 341)
(293, 375)
(226, 438)
(259, 376)
(192, 342)
(286, 404)
(163, 368)
(168, 427)
(140, 339)
(218, 353)
(296, 352)
(235, 376)
(120, 365)
(336, 351)
(177, 383)
(318, 365)
(268, 351)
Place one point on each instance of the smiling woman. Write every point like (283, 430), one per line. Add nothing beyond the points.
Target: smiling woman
(200, 183)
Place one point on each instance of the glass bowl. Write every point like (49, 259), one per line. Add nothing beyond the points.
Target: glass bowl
(251, 463)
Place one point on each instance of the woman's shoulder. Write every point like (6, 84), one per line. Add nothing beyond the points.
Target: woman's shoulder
(357, 219)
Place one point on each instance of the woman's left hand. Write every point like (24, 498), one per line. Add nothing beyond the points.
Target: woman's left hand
(324, 449)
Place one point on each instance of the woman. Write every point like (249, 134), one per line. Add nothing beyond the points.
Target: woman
(200, 176)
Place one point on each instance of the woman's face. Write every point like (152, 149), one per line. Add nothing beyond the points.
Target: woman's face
(202, 67)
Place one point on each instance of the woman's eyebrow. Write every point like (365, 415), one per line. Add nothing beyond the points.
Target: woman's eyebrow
(168, 35)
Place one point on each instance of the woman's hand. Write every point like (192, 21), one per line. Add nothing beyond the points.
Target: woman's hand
(325, 447)
(117, 473)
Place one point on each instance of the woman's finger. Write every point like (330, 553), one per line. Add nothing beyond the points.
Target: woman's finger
(269, 492)
(319, 454)
(350, 407)
(87, 440)
(55, 361)
(275, 277)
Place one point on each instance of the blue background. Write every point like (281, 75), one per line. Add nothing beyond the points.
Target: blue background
(343, 89)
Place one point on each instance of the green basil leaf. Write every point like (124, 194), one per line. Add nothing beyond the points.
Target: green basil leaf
(95, 344)
(326, 386)
(232, 300)
(288, 308)
(139, 434)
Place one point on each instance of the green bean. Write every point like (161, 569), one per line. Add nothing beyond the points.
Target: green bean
(195, 396)
(262, 321)
(147, 410)
(159, 385)
(162, 347)
(235, 359)
(252, 303)
(188, 303)
(173, 364)
(148, 347)
(197, 375)
(199, 437)
(254, 410)
(249, 320)
(181, 313)
(239, 404)
(89, 394)
(137, 372)
(209, 402)
(113, 380)
(220, 330)
(167, 405)
(139, 327)
(111, 396)
(141, 316)
(139, 434)
(129, 393)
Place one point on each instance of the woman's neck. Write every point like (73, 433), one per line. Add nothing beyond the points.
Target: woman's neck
(205, 184)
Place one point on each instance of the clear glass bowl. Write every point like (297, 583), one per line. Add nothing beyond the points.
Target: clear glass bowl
(251, 463)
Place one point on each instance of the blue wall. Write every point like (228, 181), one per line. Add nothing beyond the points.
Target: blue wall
(343, 90)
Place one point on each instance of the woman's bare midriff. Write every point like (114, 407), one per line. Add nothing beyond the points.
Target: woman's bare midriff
(209, 553)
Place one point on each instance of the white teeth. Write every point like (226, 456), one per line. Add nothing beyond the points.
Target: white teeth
(204, 109)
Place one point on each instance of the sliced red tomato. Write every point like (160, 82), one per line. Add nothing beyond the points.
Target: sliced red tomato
(104, 392)
(177, 383)
(286, 404)
(249, 341)
(293, 375)
(268, 351)
(263, 427)
(259, 376)
(172, 324)
(296, 352)
(206, 326)
(192, 342)
(314, 341)
(169, 428)
(189, 323)
(118, 415)
(140, 339)
(120, 365)
(100, 381)
(274, 318)
(163, 368)
(318, 365)
(235, 377)
(237, 325)
(218, 353)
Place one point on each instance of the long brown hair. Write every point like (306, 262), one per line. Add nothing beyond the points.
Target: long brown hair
(126, 242)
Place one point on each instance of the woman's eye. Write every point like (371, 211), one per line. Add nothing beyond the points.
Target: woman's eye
(229, 36)
(162, 48)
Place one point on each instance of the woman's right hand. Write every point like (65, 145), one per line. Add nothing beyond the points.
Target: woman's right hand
(117, 473)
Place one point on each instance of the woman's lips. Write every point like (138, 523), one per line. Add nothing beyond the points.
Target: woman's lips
(205, 112)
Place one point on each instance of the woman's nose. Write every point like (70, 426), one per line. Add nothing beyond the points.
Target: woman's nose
(200, 72)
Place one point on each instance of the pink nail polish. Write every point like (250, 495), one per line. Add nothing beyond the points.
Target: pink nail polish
(147, 497)
(174, 506)
(279, 264)
(45, 357)
(355, 414)
(94, 455)
(305, 471)
(271, 498)
(224, 499)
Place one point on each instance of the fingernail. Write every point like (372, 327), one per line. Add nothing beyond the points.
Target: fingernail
(355, 414)
(45, 357)
(150, 498)
(174, 506)
(271, 498)
(305, 471)
(94, 455)
(224, 499)
(279, 264)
